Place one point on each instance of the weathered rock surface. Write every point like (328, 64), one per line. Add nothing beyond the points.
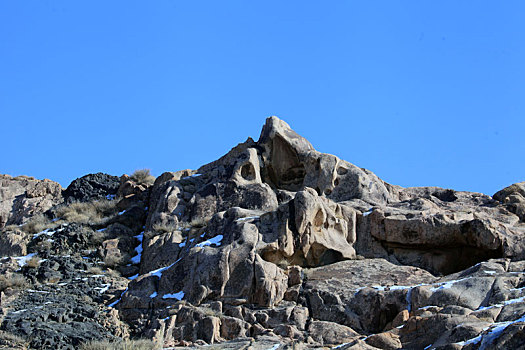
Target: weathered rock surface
(23, 197)
(272, 246)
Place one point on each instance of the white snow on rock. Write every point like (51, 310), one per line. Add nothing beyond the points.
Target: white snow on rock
(46, 232)
(215, 240)
(247, 218)
(119, 299)
(505, 303)
(136, 259)
(22, 260)
(153, 295)
(103, 289)
(494, 331)
(177, 296)
(446, 285)
(122, 212)
(158, 272)
(368, 212)
(189, 177)
(275, 347)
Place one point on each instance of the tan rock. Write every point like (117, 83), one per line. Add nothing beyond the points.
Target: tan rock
(23, 197)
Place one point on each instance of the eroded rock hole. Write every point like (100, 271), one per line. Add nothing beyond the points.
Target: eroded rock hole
(445, 196)
(319, 218)
(286, 170)
(248, 172)
(341, 170)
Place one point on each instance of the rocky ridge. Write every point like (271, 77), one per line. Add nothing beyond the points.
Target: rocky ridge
(274, 245)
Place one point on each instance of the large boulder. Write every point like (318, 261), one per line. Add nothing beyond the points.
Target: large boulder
(442, 231)
(514, 198)
(23, 197)
(92, 187)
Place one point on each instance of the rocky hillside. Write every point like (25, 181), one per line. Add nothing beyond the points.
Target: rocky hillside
(272, 246)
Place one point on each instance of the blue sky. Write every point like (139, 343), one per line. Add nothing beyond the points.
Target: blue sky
(423, 93)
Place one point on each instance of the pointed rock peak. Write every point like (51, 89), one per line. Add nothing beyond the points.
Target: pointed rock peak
(284, 154)
(277, 128)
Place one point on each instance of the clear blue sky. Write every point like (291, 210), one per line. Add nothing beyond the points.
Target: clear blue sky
(423, 93)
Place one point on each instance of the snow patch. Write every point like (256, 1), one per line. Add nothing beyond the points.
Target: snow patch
(136, 259)
(46, 232)
(368, 212)
(247, 218)
(22, 260)
(122, 212)
(505, 303)
(119, 299)
(158, 272)
(103, 289)
(447, 285)
(153, 295)
(215, 240)
(177, 296)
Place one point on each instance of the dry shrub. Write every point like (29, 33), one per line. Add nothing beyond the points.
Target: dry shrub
(116, 260)
(143, 177)
(95, 212)
(198, 222)
(9, 339)
(210, 312)
(23, 177)
(14, 228)
(95, 270)
(44, 245)
(14, 281)
(164, 228)
(33, 262)
(98, 237)
(113, 273)
(37, 224)
(141, 344)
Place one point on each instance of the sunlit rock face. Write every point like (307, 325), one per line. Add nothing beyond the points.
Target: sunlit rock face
(281, 243)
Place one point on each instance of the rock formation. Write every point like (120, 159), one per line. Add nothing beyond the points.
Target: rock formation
(274, 245)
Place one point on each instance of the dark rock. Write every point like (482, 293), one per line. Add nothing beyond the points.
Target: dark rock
(92, 187)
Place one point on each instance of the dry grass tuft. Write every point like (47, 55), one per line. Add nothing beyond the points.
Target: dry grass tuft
(143, 177)
(113, 261)
(14, 281)
(164, 228)
(37, 224)
(10, 339)
(141, 344)
(95, 270)
(94, 213)
(33, 262)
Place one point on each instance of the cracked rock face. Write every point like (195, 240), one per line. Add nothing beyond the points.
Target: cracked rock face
(276, 245)
(23, 197)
